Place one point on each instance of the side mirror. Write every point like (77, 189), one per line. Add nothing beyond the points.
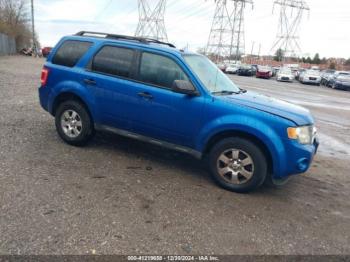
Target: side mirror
(184, 87)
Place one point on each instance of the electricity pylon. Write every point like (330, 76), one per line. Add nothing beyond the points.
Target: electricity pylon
(227, 36)
(291, 14)
(151, 20)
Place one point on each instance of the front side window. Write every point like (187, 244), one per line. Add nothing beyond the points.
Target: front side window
(113, 60)
(70, 52)
(160, 71)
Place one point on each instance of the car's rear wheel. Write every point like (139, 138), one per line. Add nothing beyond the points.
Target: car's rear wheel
(238, 165)
(73, 123)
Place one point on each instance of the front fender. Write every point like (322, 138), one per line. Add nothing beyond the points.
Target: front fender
(75, 88)
(250, 126)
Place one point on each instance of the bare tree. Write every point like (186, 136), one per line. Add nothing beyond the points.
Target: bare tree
(15, 22)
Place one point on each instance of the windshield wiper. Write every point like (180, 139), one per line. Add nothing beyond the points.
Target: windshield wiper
(242, 91)
(224, 92)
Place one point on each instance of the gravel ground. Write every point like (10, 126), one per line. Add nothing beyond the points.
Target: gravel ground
(119, 196)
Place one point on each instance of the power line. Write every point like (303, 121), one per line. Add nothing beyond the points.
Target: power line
(103, 10)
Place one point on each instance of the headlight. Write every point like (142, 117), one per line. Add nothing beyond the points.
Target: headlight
(304, 134)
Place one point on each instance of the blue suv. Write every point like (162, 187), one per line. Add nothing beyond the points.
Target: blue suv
(151, 91)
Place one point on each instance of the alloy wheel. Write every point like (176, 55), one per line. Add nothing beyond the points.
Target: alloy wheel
(235, 166)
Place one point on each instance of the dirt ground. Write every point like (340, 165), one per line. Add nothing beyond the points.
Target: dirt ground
(119, 196)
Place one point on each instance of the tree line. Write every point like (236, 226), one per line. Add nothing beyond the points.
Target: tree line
(279, 55)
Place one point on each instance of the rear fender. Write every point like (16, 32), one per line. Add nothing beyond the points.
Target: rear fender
(74, 88)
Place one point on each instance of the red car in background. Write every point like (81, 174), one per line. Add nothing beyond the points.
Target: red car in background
(264, 72)
(46, 51)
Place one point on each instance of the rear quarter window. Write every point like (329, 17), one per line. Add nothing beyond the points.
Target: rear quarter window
(70, 52)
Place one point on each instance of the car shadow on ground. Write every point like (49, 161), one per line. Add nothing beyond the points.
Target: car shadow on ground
(151, 153)
(177, 160)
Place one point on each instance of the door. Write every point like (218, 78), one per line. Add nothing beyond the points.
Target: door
(166, 115)
(111, 77)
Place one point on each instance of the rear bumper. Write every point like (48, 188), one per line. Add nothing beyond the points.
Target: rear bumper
(263, 75)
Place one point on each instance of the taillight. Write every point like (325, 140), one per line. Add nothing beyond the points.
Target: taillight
(44, 76)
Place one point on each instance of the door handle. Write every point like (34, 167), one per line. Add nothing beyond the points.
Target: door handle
(145, 95)
(90, 82)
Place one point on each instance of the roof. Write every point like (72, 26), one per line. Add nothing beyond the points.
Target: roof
(135, 41)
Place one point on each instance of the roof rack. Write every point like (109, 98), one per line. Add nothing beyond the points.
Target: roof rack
(123, 37)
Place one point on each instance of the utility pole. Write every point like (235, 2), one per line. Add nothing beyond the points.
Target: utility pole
(287, 39)
(33, 30)
(227, 36)
(151, 20)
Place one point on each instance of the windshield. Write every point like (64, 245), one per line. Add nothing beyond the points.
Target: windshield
(214, 80)
(344, 77)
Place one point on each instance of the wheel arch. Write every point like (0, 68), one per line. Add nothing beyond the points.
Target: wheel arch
(236, 133)
(66, 96)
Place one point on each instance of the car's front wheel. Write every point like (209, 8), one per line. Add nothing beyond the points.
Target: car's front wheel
(238, 165)
(73, 123)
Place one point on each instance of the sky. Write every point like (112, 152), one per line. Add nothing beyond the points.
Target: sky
(325, 30)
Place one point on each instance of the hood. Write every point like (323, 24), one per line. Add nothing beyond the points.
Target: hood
(297, 114)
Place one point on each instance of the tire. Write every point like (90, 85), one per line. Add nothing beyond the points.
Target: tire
(73, 123)
(223, 162)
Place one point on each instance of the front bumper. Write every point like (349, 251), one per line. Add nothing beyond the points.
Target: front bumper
(342, 86)
(298, 157)
(285, 79)
(311, 81)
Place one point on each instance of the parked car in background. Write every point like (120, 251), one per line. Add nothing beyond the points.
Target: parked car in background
(342, 82)
(175, 99)
(26, 51)
(264, 72)
(285, 75)
(326, 75)
(232, 69)
(255, 67)
(246, 70)
(275, 70)
(311, 77)
(46, 51)
(333, 77)
(299, 73)
(222, 67)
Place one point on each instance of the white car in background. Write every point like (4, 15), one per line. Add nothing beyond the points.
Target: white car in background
(311, 77)
(285, 74)
(232, 69)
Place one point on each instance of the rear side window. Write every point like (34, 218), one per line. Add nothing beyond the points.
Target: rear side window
(70, 52)
(113, 60)
(159, 70)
